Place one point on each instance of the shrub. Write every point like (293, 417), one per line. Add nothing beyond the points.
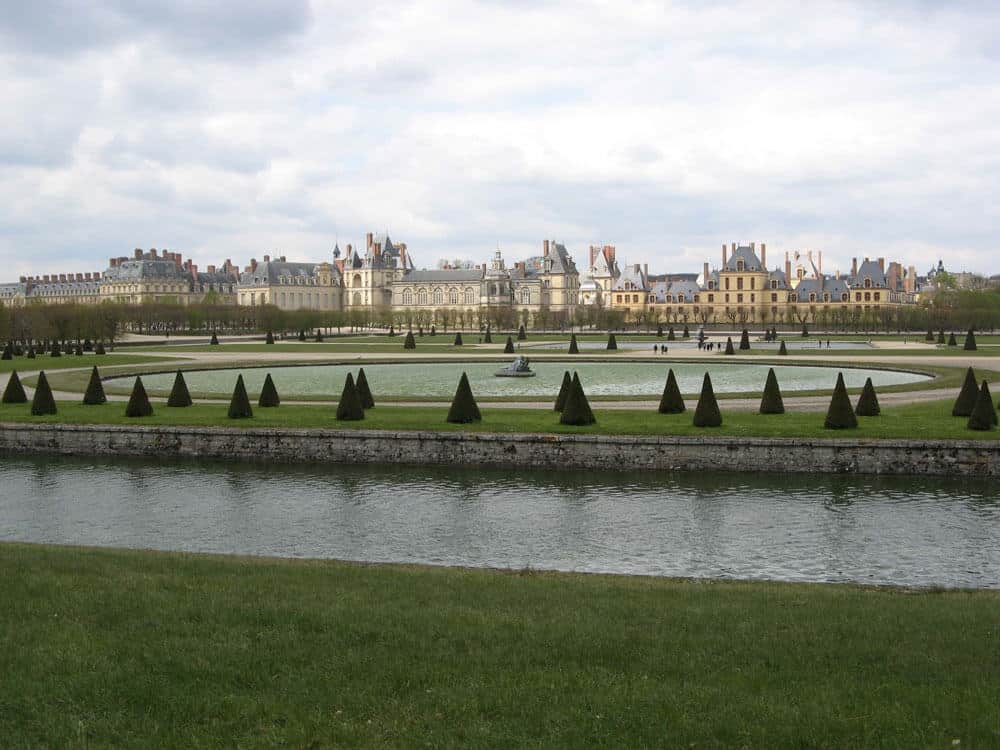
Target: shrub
(302, 335)
(179, 395)
(364, 392)
(970, 341)
(42, 403)
(840, 415)
(706, 413)
(951, 340)
(138, 403)
(929, 338)
(349, 408)
(78, 351)
(99, 349)
(488, 338)
(573, 348)
(782, 349)
(268, 394)
(239, 404)
(671, 336)
(31, 352)
(409, 342)
(966, 400)
(8, 352)
(612, 343)
(745, 340)
(522, 335)
(94, 395)
(319, 337)
(509, 346)
(984, 414)
(940, 338)
(671, 402)
(14, 392)
(392, 331)
(463, 406)
(269, 339)
(729, 345)
(659, 331)
(771, 402)
(564, 389)
(868, 401)
(458, 339)
(434, 331)
(687, 333)
(576, 410)
(56, 351)
(214, 341)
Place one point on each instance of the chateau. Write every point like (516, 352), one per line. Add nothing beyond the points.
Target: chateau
(380, 278)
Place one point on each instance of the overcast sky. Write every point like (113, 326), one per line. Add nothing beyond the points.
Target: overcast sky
(235, 129)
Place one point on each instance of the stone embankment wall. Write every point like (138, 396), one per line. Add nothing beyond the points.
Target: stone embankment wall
(520, 451)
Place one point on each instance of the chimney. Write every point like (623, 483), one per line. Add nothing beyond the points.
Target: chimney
(821, 261)
(211, 269)
(788, 270)
(368, 240)
(178, 260)
(610, 253)
(194, 272)
(734, 247)
(350, 249)
(704, 278)
(881, 264)
(854, 267)
(402, 256)
(152, 252)
(253, 265)
(723, 255)
(645, 270)
(753, 246)
(283, 259)
(86, 276)
(138, 253)
(763, 256)
(267, 258)
(45, 278)
(591, 252)
(79, 276)
(545, 248)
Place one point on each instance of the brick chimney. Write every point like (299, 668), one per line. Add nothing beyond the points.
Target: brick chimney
(788, 269)
(704, 272)
(368, 240)
(283, 259)
(210, 269)
(545, 248)
(253, 265)
(79, 276)
(881, 264)
(267, 258)
(138, 253)
(734, 247)
(152, 252)
(854, 267)
(402, 255)
(645, 270)
(763, 256)
(723, 255)
(609, 253)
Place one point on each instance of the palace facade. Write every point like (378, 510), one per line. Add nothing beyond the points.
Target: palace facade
(381, 278)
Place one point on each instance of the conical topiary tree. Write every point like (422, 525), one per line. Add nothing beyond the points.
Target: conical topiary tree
(782, 349)
(564, 389)
(687, 332)
(420, 331)
(434, 331)
(940, 338)
(409, 342)
(214, 341)
(14, 392)
(929, 337)
(179, 395)
(984, 414)
(31, 352)
(573, 348)
(659, 331)
(268, 394)
(458, 339)
(706, 413)
(729, 345)
(671, 402)
(522, 335)
(805, 331)
(671, 336)
(509, 346)
(364, 392)
(138, 403)
(576, 410)
(868, 401)
(94, 395)
(99, 349)
(349, 408)
(42, 402)
(840, 415)
(771, 402)
(319, 337)
(966, 400)
(8, 352)
(612, 343)
(56, 351)
(745, 340)
(970, 341)
(463, 406)
(951, 339)
(488, 338)
(269, 339)
(239, 404)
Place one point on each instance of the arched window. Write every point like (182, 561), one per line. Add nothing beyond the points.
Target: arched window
(407, 297)
(357, 280)
(438, 297)
(452, 296)
(422, 297)
(470, 297)
(357, 298)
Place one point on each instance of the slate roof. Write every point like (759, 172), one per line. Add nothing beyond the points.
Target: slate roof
(271, 272)
(444, 276)
(870, 269)
(145, 269)
(750, 260)
(779, 276)
(632, 273)
(824, 285)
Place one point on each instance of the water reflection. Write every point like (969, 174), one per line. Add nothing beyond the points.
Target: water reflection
(790, 527)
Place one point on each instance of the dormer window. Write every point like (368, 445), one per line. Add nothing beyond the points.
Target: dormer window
(774, 284)
(868, 282)
(739, 265)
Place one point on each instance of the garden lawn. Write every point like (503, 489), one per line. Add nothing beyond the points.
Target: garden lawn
(47, 363)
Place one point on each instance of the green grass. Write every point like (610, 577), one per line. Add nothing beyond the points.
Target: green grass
(47, 363)
(114, 648)
(931, 420)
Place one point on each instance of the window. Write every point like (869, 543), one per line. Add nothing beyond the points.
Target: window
(470, 297)
(739, 265)
(711, 298)
(877, 296)
(739, 298)
(739, 283)
(422, 297)
(452, 296)
(774, 283)
(525, 296)
(868, 296)
(438, 297)
(868, 282)
(618, 298)
(407, 297)
(635, 298)
(774, 297)
(844, 297)
(711, 285)
(727, 282)
(857, 296)
(753, 283)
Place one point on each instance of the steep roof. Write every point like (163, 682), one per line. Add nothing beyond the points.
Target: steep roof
(750, 260)
(443, 276)
(271, 272)
(869, 269)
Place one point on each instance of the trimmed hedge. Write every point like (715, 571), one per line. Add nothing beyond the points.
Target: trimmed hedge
(42, 402)
(577, 410)
(970, 341)
(364, 392)
(940, 337)
(984, 414)
(671, 402)
(573, 348)
(409, 342)
(179, 395)
(782, 349)
(612, 343)
(729, 345)
(771, 401)
(268, 394)
(138, 403)
(94, 395)
(706, 413)
(509, 346)
(868, 401)
(840, 415)
(239, 404)
(214, 341)
(458, 339)
(14, 392)
(463, 406)
(349, 408)
(31, 352)
(564, 389)
(966, 400)
(745, 340)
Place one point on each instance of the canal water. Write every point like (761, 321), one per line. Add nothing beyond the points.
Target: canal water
(909, 531)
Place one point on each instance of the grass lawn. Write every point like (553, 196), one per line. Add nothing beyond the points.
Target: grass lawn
(139, 649)
(916, 421)
(47, 363)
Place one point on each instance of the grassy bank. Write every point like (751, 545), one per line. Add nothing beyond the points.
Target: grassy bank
(66, 361)
(135, 649)
(924, 420)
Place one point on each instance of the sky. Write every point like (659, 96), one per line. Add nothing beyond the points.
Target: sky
(248, 127)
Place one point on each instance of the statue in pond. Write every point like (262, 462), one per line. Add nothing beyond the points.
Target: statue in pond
(519, 368)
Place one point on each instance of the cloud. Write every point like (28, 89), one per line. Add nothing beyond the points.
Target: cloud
(228, 129)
